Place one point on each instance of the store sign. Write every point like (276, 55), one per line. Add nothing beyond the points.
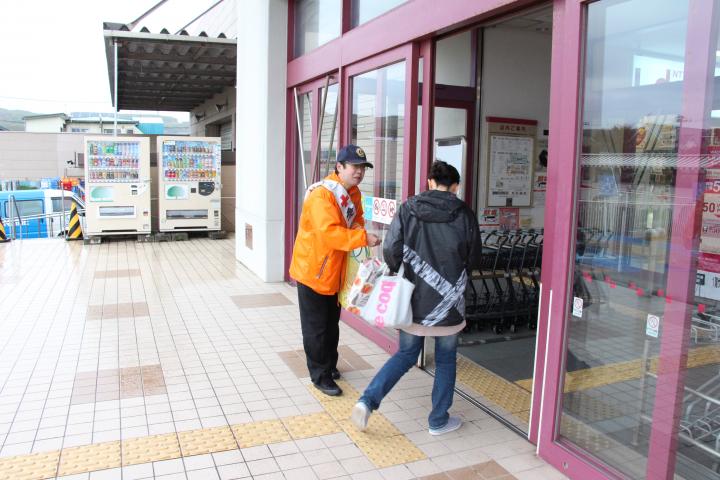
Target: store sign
(652, 326)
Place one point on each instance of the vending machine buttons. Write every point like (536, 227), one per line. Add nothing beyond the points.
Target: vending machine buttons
(206, 188)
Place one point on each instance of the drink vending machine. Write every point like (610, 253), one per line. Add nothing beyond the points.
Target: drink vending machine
(189, 188)
(117, 178)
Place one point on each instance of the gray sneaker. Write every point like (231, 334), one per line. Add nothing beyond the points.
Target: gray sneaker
(360, 415)
(453, 424)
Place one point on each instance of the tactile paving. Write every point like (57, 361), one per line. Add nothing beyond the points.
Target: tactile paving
(503, 393)
(150, 449)
(307, 426)
(27, 467)
(260, 433)
(89, 458)
(207, 440)
(383, 451)
(382, 442)
(583, 435)
(602, 375)
(341, 409)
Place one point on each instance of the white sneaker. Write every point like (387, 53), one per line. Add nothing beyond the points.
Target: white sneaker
(453, 424)
(360, 415)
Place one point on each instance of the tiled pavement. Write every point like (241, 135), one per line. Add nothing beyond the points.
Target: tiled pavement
(134, 360)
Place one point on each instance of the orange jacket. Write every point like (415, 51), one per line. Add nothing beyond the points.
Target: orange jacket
(323, 240)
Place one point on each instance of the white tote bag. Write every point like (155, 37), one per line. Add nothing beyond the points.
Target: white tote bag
(389, 303)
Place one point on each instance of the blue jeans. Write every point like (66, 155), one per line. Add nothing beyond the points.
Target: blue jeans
(406, 357)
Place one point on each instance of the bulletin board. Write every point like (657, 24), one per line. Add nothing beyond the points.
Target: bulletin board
(511, 155)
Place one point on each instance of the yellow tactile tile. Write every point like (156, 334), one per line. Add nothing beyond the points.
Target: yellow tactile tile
(595, 377)
(150, 449)
(89, 458)
(525, 384)
(341, 409)
(383, 450)
(27, 467)
(382, 442)
(206, 440)
(503, 393)
(260, 433)
(307, 426)
(583, 435)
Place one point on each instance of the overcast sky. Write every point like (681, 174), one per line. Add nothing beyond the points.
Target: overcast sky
(52, 55)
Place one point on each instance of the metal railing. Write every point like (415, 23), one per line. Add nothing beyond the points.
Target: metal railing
(53, 224)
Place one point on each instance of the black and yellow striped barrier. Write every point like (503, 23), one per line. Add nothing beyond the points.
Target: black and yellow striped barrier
(74, 228)
(3, 235)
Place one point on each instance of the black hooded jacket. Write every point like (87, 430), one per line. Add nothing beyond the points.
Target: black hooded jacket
(436, 236)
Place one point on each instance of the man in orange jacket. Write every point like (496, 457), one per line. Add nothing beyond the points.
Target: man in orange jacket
(331, 224)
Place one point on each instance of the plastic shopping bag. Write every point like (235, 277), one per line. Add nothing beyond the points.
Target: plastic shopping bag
(389, 304)
(368, 273)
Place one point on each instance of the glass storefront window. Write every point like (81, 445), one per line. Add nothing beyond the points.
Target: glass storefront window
(316, 22)
(329, 131)
(365, 10)
(633, 207)
(378, 114)
(304, 161)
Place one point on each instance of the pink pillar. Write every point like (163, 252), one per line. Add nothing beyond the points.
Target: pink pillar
(675, 328)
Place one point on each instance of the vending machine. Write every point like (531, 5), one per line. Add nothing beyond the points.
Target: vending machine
(189, 187)
(117, 185)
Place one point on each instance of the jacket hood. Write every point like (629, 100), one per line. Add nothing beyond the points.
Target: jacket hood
(435, 206)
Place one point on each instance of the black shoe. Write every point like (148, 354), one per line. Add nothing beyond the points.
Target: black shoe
(328, 387)
(335, 374)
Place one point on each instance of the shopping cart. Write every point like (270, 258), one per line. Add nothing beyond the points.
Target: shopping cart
(504, 292)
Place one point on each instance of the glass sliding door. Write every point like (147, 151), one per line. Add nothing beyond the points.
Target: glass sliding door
(303, 148)
(381, 118)
(639, 339)
(313, 143)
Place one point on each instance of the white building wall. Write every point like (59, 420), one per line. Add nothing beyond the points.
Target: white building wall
(45, 124)
(262, 50)
(516, 84)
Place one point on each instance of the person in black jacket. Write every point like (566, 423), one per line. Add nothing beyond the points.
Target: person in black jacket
(436, 236)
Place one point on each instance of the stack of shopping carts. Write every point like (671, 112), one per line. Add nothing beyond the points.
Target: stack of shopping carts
(504, 292)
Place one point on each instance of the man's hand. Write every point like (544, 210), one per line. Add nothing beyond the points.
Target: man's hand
(373, 240)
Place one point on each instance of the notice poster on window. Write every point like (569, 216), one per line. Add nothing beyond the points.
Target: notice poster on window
(509, 218)
(489, 218)
(511, 155)
(540, 175)
(710, 228)
(510, 170)
(707, 278)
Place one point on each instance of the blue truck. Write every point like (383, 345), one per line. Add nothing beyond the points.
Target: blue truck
(37, 213)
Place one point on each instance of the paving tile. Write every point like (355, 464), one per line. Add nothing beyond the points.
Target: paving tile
(260, 300)
(145, 376)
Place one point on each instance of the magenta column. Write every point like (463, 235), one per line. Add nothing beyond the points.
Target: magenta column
(697, 100)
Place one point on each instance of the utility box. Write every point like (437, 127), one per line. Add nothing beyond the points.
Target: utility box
(189, 187)
(117, 182)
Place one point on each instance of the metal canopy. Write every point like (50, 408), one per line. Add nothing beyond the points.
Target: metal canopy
(167, 72)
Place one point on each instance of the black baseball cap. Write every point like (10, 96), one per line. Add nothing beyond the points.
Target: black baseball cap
(353, 154)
